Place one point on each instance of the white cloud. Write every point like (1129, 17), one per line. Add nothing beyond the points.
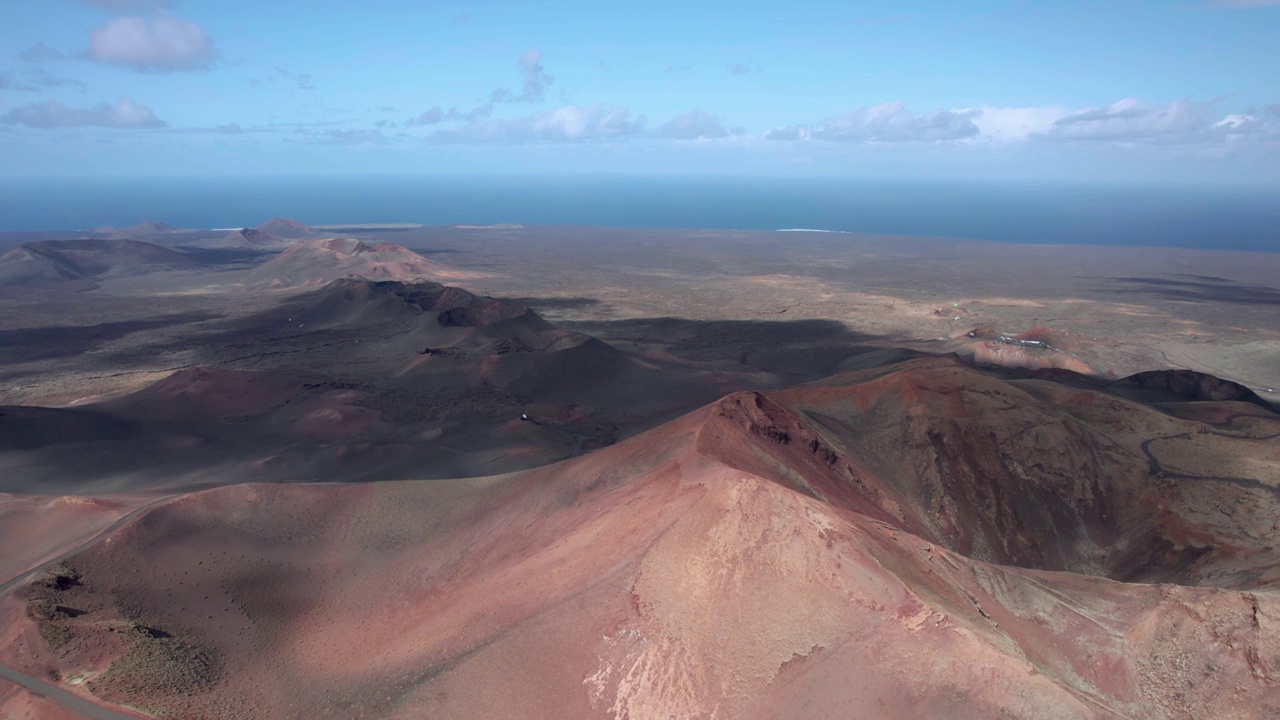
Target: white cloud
(742, 68)
(1126, 122)
(160, 44)
(432, 116)
(536, 80)
(695, 125)
(303, 81)
(1132, 121)
(125, 114)
(534, 90)
(8, 83)
(436, 115)
(887, 123)
(567, 124)
(33, 78)
(40, 53)
(1010, 124)
(353, 137)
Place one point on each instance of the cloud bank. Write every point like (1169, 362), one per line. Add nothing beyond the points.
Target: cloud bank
(40, 53)
(1130, 120)
(568, 124)
(1126, 122)
(536, 80)
(887, 123)
(695, 125)
(125, 114)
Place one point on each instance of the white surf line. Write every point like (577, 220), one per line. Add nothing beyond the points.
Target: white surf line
(840, 232)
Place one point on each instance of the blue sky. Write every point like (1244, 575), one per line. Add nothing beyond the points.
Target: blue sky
(1082, 91)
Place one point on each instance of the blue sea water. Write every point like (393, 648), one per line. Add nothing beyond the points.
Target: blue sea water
(1174, 216)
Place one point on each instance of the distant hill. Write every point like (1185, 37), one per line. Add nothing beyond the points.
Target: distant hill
(145, 229)
(290, 229)
(252, 238)
(318, 262)
(86, 259)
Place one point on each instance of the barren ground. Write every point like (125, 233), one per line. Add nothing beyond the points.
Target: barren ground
(752, 483)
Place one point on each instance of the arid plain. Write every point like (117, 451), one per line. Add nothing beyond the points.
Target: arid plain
(402, 471)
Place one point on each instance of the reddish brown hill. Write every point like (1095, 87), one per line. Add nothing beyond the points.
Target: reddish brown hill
(1040, 348)
(86, 259)
(289, 229)
(918, 541)
(318, 262)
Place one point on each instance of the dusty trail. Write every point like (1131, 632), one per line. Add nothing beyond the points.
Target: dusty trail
(1157, 468)
(579, 438)
(67, 699)
(84, 545)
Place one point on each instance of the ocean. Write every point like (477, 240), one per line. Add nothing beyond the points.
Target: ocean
(1173, 216)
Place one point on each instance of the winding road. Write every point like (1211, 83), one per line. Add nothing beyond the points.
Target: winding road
(579, 438)
(1157, 468)
(65, 698)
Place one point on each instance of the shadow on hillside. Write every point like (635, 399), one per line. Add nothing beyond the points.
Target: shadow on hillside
(798, 350)
(1199, 288)
(791, 351)
(226, 256)
(45, 343)
(554, 303)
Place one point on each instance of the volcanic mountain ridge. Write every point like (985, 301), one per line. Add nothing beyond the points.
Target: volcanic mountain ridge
(942, 534)
(355, 380)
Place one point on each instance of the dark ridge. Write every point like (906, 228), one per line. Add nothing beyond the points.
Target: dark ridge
(1157, 386)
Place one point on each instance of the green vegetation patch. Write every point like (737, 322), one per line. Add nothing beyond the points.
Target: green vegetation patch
(159, 666)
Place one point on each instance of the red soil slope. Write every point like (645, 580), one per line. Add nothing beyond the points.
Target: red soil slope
(918, 541)
(35, 529)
